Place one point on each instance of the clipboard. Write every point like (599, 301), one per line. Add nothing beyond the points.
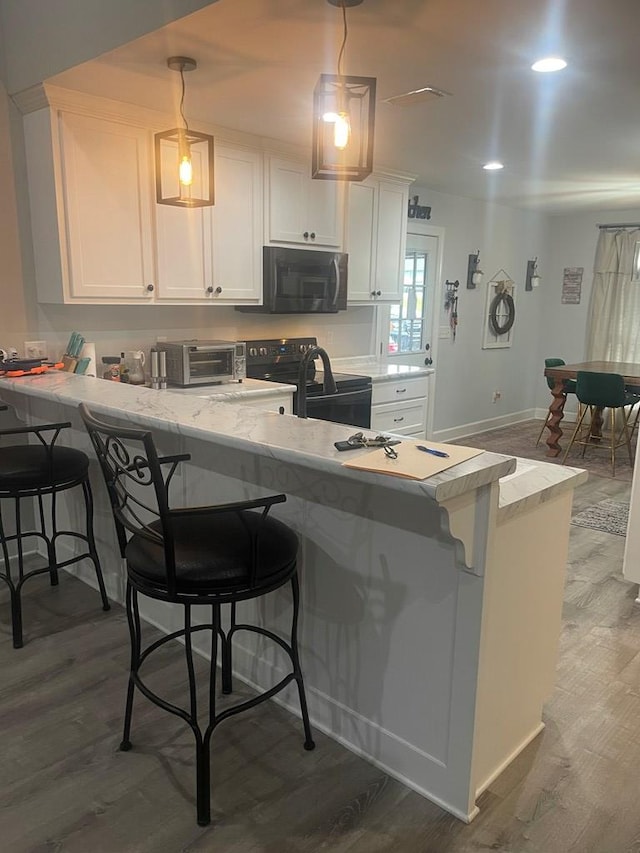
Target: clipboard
(411, 463)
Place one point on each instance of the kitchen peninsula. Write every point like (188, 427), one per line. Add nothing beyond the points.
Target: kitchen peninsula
(431, 609)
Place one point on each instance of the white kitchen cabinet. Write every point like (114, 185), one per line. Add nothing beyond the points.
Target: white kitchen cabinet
(302, 210)
(100, 237)
(400, 406)
(91, 208)
(375, 239)
(214, 254)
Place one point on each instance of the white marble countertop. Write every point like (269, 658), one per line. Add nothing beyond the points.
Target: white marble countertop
(379, 371)
(248, 389)
(292, 440)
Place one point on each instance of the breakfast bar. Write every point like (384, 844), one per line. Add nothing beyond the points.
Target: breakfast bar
(431, 609)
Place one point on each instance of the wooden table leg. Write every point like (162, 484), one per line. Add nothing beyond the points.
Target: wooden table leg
(556, 413)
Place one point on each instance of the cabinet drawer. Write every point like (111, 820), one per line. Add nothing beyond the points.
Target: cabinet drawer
(403, 389)
(405, 419)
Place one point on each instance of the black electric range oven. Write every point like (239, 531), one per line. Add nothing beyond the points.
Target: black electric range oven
(279, 359)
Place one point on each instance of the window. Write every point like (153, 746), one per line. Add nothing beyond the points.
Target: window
(406, 318)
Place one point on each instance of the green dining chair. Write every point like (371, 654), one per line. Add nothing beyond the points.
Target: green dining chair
(598, 391)
(569, 388)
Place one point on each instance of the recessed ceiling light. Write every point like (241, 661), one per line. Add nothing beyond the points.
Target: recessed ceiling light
(549, 63)
(493, 166)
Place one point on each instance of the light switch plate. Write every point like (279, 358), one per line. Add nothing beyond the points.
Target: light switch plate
(35, 349)
(444, 332)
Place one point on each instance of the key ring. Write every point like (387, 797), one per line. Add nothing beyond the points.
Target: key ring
(358, 440)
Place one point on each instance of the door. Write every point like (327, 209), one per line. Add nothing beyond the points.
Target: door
(408, 329)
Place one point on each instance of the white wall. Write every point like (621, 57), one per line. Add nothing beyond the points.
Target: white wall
(44, 37)
(467, 375)
(13, 317)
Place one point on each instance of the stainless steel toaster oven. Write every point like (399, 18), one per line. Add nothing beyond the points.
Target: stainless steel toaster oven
(204, 362)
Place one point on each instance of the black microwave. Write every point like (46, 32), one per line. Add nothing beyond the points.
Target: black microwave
(301, 281)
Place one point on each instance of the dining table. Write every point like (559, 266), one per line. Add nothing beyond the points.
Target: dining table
(629, 370)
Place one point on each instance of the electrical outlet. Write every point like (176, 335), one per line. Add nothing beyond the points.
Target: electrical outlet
(497, 395)
(35, 349)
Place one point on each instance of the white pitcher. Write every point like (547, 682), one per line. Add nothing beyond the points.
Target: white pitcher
(134, 364)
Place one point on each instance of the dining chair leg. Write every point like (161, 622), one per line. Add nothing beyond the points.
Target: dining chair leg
(542, 430)
(612, 418)
(575, 433)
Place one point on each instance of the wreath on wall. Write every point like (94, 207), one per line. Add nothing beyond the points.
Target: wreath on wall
(502, 312)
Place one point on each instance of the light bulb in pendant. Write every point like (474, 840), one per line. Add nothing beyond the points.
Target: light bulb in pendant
(185, 171)
(342, 131)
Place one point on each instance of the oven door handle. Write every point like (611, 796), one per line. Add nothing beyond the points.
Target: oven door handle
(345, 397)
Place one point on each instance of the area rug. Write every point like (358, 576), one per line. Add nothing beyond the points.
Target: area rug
(608, 516)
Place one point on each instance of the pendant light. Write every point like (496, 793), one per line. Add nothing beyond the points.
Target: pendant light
(343, 120)
(184, 157)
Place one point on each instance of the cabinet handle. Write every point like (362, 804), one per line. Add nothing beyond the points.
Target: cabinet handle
(313, 235)
(401, 390)
(218, 289)
(376, 293)
(397, 420)
(210, 289)
(281, 410)
(306, 235)
(150, 288)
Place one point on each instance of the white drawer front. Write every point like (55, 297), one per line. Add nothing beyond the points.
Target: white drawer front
(402, 419)
(403, 389)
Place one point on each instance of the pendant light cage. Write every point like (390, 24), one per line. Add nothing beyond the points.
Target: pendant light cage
(354, 97)
(184, 158)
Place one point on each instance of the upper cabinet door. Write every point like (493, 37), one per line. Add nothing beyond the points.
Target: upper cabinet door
(302, 210)
(391, 239)
(237, 227)
(375, 239)
(105, 168)
(214, 254)
(362, 211)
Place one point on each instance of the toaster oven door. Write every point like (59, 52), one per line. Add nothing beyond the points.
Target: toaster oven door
(210, 364)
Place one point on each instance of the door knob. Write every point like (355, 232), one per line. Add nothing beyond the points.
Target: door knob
(428, 361)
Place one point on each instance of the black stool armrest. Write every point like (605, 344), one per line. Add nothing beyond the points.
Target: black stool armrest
(36, 429)
(266, 503)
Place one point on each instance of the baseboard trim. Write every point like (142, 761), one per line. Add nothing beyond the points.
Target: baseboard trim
(511, 419)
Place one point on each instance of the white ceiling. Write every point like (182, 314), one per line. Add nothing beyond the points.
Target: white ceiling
(569, 140)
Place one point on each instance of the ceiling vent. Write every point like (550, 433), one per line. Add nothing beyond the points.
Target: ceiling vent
(417, 96)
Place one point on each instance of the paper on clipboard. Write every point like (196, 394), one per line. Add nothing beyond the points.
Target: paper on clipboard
(412, 464)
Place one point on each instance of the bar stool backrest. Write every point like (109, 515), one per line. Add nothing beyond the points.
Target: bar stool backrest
(604, 390)
(137, 484)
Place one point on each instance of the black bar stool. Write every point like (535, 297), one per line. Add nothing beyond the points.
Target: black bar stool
(41, 471)
(207, 555)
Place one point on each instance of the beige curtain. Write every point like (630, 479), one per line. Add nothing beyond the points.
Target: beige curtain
(613, 328)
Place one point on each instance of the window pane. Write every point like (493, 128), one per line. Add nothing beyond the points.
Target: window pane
(406, 326)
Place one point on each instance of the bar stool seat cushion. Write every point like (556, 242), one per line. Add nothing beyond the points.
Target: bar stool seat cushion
(28, 466)
(213, 552)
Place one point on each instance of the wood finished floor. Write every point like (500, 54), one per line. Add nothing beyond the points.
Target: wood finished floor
(64, 786)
